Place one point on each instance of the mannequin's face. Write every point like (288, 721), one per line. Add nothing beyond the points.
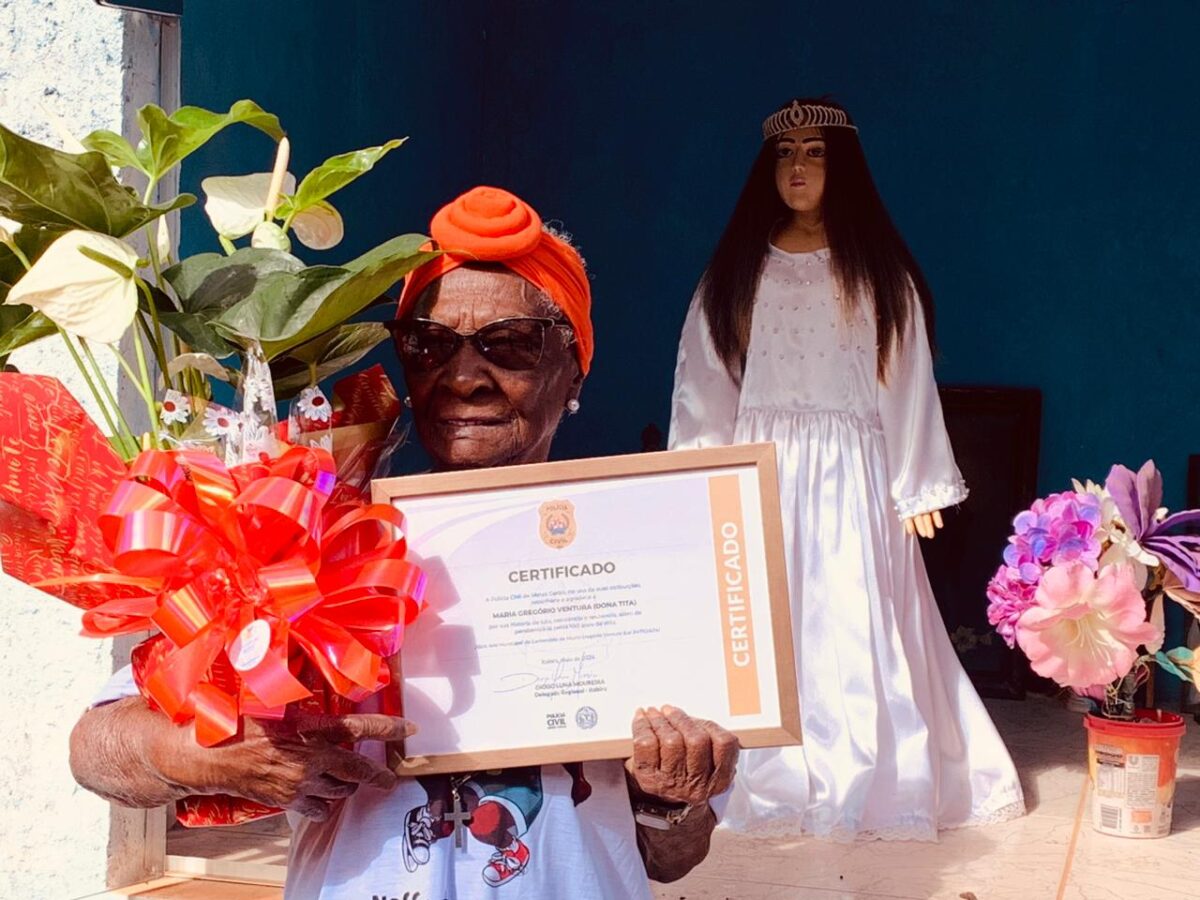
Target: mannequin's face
(800, 169)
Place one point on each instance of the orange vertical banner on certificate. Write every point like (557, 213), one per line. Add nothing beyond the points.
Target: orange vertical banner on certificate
(733, 588)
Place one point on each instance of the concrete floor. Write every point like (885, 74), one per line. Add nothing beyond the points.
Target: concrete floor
(1022, 860)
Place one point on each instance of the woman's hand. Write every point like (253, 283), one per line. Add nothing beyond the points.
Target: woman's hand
(926, 524)
(296, 763)
(126, 752)
(679, 759)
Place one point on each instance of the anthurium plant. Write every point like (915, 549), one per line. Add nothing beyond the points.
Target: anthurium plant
(85, 259)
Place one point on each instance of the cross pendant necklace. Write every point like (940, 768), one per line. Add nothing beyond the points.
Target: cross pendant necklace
(459, 816)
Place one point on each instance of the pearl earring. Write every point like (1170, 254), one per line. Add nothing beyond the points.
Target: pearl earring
(572, 406)
(408, 402)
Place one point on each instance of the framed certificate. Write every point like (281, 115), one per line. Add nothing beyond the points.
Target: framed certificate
(563, 596)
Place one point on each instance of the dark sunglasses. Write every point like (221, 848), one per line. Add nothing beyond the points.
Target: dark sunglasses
(516, 344)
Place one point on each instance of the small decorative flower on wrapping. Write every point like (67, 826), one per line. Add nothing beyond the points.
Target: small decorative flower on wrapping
(221, 422)
(176, 408)
(310, 416)
(314, 405)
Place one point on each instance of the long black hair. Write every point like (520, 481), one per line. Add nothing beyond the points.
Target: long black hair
(870, 260)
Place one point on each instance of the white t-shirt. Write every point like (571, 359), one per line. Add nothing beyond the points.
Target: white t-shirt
(523, 836)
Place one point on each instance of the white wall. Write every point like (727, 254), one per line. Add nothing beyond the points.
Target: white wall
(88, 66)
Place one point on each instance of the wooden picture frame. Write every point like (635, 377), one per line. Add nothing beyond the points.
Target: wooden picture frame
(774, 656)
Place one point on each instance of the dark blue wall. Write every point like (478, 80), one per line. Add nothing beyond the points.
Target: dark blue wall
(1040, 159)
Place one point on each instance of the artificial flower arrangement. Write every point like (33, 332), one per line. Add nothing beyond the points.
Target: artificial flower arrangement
(241, 541)
(1083, 583)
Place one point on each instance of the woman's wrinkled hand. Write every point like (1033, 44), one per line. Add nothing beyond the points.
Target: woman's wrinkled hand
(679, 759)
(294, 763)
(926, 524)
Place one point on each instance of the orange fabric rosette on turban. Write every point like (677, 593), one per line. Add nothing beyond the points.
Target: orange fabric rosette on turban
(491, 225)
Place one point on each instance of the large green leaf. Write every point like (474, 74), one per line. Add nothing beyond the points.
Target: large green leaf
(197, 332)
(194, 329)
(43, 186)
(334, 174)
(12, 316)
(330, 354)
(213, 282)
(290, 309)
(168, 139)
(115, 148)
(33, 327)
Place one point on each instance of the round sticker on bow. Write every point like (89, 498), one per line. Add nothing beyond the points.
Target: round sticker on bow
(249, 647)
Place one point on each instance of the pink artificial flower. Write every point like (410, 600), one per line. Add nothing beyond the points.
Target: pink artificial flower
(1009, 595)
(1084, 628)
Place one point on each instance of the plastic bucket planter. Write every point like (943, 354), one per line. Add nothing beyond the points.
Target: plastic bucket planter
(1132, 767)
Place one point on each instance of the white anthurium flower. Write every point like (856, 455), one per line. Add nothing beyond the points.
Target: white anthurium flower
(319, 227)
(237, 204)
(268, 235)
(162, 238)
(8, 228)
(83, 283)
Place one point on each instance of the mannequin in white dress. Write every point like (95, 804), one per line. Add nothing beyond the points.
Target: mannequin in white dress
(812, 328)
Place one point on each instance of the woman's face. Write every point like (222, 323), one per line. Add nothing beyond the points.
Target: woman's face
(470, 412)
(800, 169)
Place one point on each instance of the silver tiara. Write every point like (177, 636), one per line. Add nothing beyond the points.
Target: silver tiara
(805, 115)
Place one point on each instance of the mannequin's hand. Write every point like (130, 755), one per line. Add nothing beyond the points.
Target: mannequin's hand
(926, 524)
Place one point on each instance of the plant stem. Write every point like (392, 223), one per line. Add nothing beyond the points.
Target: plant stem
(147, 389)
(156, 340)
(122, 428)
(132, 375)
(137, 383)
(18, 253)
(108, 419)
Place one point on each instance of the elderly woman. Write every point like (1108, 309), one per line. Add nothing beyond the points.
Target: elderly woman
(496, 339)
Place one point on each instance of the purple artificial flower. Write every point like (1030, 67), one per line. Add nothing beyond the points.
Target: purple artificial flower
(1058, 530)
(1138, 498)
(1009, 595)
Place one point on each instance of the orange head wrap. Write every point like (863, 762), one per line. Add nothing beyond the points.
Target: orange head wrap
(491, 225)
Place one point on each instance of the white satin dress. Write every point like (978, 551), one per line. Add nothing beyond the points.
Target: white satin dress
(897, 744)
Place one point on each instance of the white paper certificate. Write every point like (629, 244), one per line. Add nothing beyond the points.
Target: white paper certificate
(564, 596)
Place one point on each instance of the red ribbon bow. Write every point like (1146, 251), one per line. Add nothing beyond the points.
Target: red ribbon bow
(248, 573)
